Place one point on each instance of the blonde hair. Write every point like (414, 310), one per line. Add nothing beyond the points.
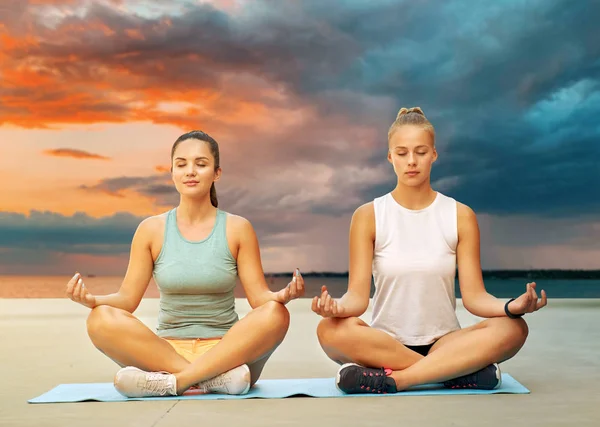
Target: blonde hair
(411, 116)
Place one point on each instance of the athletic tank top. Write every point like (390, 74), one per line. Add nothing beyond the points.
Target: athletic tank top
(196, 281)
(414, 267)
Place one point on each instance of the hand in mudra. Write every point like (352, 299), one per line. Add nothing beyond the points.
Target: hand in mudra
(76, 291)
(528, 302)
(324, 305)
(294, 289)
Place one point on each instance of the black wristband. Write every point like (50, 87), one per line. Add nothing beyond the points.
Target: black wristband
(508, 313)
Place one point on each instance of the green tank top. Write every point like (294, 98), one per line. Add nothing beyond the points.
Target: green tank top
(196, 281)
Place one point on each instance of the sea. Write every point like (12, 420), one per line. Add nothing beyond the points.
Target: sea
(55, 286)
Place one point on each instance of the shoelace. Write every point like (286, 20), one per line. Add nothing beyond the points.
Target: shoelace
(156, 382)
(468, 381)
(218, 381)
(373, 381)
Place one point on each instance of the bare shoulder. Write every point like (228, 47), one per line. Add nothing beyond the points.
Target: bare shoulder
(237, 223)
(363, 220)
(365, 213)
(153, 224)
(238, 229)
(151, 231)
(464, 212)
(466, 218)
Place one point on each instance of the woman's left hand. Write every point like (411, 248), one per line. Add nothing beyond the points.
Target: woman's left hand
(294, 289)
(528, 302)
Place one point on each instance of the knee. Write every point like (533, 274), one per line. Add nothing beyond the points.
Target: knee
(332, 329)
(515, 332)
(278, 316)
(521, 330)
(326, 329)
(101, 322)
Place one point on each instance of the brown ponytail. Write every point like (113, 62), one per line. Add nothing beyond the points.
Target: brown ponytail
(213, 196)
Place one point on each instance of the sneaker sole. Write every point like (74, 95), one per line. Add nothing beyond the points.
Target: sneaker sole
(337, 376)
(498, 376)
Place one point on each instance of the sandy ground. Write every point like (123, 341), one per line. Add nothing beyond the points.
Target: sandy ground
(44, 343)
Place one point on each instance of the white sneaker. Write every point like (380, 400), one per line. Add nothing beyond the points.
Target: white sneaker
(234, 381)
(133, 382)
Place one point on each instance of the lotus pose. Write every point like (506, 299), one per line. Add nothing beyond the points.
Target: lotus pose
(411, 240)
(195, 252)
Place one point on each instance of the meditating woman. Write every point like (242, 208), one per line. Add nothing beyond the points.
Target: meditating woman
(194, 252)
(411, 240)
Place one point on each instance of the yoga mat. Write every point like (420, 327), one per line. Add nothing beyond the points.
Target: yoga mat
(263, 389)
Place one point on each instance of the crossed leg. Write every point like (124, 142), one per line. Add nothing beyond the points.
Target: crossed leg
(456, 354)
(127, 341)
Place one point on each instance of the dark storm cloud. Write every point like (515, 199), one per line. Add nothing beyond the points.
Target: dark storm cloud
(79, 233)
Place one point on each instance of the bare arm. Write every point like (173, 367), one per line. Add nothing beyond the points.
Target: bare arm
(250, 269)
(139, 270)
(475, 298)
(362, 245)
(356, 299)
(137, 277)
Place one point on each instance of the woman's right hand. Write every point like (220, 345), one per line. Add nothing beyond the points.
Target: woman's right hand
(76, 291)
(326, 306)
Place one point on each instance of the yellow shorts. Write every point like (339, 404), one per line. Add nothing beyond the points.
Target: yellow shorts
(191, 349)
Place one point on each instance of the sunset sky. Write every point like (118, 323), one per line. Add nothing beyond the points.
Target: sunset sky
(299, 96)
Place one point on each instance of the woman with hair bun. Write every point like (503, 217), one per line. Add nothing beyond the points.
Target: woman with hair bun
(411, 240)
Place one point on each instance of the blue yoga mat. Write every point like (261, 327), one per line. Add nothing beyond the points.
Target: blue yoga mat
(264, 389)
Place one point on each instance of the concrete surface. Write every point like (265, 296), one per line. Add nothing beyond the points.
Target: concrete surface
(44, 343)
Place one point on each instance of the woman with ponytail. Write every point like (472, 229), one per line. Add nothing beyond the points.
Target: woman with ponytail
(411, 240)
(194, 252)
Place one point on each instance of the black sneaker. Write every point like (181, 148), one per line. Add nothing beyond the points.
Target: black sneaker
(353, 378)
(488, 378)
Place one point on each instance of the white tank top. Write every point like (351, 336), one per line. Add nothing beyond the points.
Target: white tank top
(414, 267)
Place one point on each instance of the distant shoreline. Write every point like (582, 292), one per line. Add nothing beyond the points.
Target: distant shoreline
(487, 274)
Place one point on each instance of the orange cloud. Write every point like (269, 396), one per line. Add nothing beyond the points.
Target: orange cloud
(162, 169)
(135, 34)
(10, 43)
(71, 29)
(73, 153)
(51, 2)
(49, 80)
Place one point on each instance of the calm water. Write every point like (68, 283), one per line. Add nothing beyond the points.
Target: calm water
(54, 286)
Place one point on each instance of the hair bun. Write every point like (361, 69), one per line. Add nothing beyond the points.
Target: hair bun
(403, 111)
